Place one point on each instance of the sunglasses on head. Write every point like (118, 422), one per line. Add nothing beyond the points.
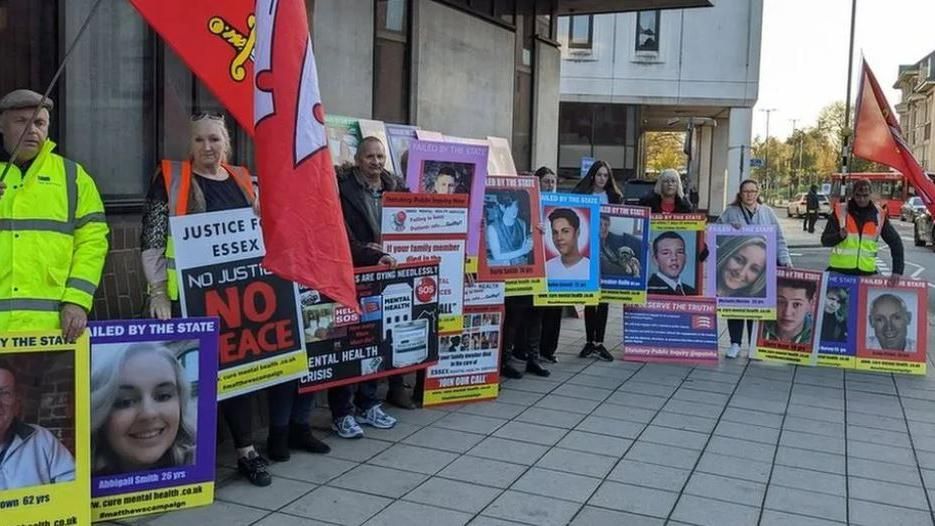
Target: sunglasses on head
(208, 115)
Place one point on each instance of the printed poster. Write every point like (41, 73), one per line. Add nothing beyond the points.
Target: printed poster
(399, 136)
(624, 245)
(511, 243)
(837, 325)
(671, 329)
(468, 368)
(431, 227)
(742, 271)
(452, 168)
(891, 328)
(429, 135)
(44, 397)
(343, 138)
(371, 128)
(791, 337)
(572, 249)
(675, 243)
(153, 416)
(218, 257)
(501, 157)
(395, 333)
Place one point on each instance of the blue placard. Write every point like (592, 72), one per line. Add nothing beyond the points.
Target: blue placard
(572, 241)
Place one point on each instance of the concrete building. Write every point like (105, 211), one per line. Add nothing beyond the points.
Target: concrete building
(468, 68)
(626, 74)
(916, 108)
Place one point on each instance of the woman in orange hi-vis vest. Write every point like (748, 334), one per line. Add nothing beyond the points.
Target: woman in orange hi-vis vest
(206, 183)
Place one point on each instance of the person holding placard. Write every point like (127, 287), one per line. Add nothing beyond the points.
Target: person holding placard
(737, 272)
(598, 181)
(667, 196)
(551, 316)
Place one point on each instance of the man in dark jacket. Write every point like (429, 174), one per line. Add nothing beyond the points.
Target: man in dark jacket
(854, 244)
(811, 210)
(361, 190)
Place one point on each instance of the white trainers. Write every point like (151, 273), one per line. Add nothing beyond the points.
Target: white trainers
(347, 427)
(733, 352)
(376, 417)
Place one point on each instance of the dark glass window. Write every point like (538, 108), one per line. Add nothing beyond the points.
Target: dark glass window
(581, 31)
(647, 31)
(391, 61)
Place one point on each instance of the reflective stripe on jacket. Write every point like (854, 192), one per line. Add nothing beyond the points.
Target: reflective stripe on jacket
(180, 190)
(859, 249)
(53, 240)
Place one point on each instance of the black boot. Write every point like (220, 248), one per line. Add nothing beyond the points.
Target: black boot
(532, 366)
(508, 371)
(277, 444)
(301, 437)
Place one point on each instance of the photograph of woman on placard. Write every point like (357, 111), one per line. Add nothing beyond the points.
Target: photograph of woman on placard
(741, 266)
(509, 239)
(142, 412)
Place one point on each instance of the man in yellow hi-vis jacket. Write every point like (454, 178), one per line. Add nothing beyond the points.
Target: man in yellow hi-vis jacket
(53, 234)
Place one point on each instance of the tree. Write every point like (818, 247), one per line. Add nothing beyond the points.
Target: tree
(664, 150)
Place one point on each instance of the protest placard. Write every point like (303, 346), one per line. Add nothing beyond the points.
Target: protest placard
(396, 331)
(468, 368)
(162, 459)
(671, 329)
(837, 322)
(343, 138)
(431, 227)
(892, 323)
(398, 137)
(218, 257)
(501, 157)
(675, 243)
(624, 247)
(512, 248)
(742, 271)
(572, 246)
(452, 168)
(44, 416)
(791, 337)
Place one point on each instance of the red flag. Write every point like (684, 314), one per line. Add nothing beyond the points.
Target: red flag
(216, 41)
(878, 138)
(303, 226)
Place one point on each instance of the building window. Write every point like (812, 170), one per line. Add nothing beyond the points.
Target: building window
(391, 61)
(581, 31)
(647, 31)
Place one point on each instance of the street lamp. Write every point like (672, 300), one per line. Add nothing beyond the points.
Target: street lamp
(766, 160)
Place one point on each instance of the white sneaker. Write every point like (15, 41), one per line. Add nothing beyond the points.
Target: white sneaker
(376, 417)
(347, 427)
(733, 351)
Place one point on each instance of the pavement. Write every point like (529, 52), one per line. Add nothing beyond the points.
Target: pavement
(623, 443)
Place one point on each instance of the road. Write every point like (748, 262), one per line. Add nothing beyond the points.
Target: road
(806, 253)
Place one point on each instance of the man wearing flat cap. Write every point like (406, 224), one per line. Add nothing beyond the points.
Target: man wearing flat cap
(53, 235)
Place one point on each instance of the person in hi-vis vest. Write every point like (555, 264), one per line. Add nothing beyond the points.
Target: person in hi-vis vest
(53, 234)
(853, 231)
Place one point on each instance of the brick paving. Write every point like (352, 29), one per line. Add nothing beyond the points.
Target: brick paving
(620, 443)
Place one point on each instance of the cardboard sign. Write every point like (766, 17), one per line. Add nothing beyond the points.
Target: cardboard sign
(791, 337)
(624, 248)
(572, 246)
(892, 323)
(742, 271)
(671, 329)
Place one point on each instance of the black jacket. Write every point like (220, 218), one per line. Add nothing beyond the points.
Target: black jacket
(811, 201)
(361, 229)
(832, 236)
(654, 201)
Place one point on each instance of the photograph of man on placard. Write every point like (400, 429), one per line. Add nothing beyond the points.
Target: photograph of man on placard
(621, 251)
(568, 244)
(443, 177)
(671, 273)
(795, 312)
(890, 324)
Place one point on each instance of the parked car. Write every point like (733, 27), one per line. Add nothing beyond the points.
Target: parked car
(912, 207)
(797, 206)
(634, 189)
(923, 232)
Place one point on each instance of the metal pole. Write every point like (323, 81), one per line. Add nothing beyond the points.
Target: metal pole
(845, 144)
(45, 95)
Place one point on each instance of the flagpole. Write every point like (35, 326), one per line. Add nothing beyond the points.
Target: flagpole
(845, 145)
(45, 95)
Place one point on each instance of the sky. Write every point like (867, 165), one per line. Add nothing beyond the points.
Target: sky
(803, 58)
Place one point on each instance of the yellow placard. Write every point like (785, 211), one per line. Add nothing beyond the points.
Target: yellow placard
(783, 355)
(450, 323)
(65, 501)
(455, 395)
(260, 374)
(837, 360)
(746, 313)
(888, 366)
(661, 225)
(626, 297)
(152, 501)
(563, 299)
(525, 287)
(470, 265)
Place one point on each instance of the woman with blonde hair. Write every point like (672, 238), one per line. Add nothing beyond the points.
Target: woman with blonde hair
(206, 183)
(668, 196)
(142, 416)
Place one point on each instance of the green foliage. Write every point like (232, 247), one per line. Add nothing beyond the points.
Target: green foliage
(664, 150)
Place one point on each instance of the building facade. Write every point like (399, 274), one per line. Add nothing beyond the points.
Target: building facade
(626, 74)
(468, 68)
(916, 109)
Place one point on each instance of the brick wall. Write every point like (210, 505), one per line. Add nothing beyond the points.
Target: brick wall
(46, 385)
(123, 285)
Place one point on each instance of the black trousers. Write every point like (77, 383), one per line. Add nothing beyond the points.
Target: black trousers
(735, 330)
(551, 320)
(238, 413)
(811, 217)
(522, 327)
(595, 322)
